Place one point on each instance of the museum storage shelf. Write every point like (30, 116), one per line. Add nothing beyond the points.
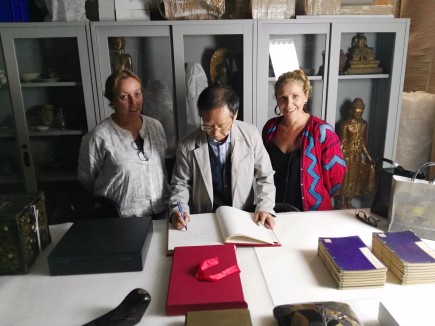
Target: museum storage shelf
(317, 43)
(160, 52)
(47, 154)
(381, 92)
(309, 41)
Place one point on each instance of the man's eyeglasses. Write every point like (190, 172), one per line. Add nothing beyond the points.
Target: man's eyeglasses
(362, 216)
(222, 130)
(140, 152)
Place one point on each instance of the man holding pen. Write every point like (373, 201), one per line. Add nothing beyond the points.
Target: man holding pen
(223, 162)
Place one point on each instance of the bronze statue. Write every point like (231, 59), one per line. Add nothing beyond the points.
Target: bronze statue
(359, 178)
(119, 59)
(362, 58)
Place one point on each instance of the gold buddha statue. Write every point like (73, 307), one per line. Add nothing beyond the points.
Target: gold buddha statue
(362, 57)
(359, 178)
(119, 59)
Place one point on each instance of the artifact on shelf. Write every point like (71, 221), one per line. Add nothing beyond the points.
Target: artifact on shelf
(224, 68)
(46, 115)
(196, 82)
(359, 178)
(362, 59)
(119, 59)
(218, 58)
(221, 78)
(60, 122)
(27, 77)
(3, 78)
(342, 63)
(49, 76)
(283, 55)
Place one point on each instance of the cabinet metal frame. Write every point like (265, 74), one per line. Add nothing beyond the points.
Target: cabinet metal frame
(286, 28)
(176, 31)
(396, 75)
(11, 32)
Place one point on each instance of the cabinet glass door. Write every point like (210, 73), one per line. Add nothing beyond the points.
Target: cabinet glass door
(288, 46)
(145, 48)
(376, 53)
(11, 172)
(51, 100)
(219, 52)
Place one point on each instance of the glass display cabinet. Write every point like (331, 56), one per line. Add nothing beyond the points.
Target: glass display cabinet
(375, 74)
(345, 58)
(288, 45)
(224, 50)
(52, 78)
(148, 49)
(46, 106)
(11, 163)
(162, 54)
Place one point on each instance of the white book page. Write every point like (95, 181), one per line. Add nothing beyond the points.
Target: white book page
(238, 226)
(203, 229)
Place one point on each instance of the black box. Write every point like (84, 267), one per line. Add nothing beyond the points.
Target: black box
(105, 245)
(24, 231)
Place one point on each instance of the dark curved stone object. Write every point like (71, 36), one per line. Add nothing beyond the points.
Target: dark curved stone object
(129, 312)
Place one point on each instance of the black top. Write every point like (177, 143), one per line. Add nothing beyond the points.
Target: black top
(287, 175)
(221, 177)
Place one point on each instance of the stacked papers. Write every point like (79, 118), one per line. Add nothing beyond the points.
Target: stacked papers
(351, 263)
(409, 259)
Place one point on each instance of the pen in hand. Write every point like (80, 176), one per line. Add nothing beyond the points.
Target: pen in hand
(182, 214)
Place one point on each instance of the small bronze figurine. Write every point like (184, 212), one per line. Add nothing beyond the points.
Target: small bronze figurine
(359, 178)
(362, 58)
(120, 59)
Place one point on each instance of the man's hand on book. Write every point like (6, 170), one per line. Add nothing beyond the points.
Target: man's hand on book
(265, 219)
(177, 220)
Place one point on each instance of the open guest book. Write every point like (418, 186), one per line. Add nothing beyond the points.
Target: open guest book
(227, 225)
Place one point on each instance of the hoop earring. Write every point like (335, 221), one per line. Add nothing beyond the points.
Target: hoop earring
(277, 113)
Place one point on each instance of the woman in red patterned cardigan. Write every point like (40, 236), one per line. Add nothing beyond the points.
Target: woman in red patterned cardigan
(304, 150)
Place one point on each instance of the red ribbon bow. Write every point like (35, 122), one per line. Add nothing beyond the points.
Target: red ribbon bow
(202, 275)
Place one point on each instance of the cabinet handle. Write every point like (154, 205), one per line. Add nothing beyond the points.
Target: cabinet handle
(26, 159)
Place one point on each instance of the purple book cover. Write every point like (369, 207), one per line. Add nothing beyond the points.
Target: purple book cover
(407, 246)
(351, 254)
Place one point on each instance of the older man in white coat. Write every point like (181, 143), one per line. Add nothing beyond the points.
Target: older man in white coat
(223, 162)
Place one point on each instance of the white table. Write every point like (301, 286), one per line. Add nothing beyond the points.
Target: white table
(40, 299)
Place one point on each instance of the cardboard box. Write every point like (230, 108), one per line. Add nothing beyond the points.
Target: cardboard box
(134, 14)
(420, 67)
(273, 9)
(105, 245)
(24, 231)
